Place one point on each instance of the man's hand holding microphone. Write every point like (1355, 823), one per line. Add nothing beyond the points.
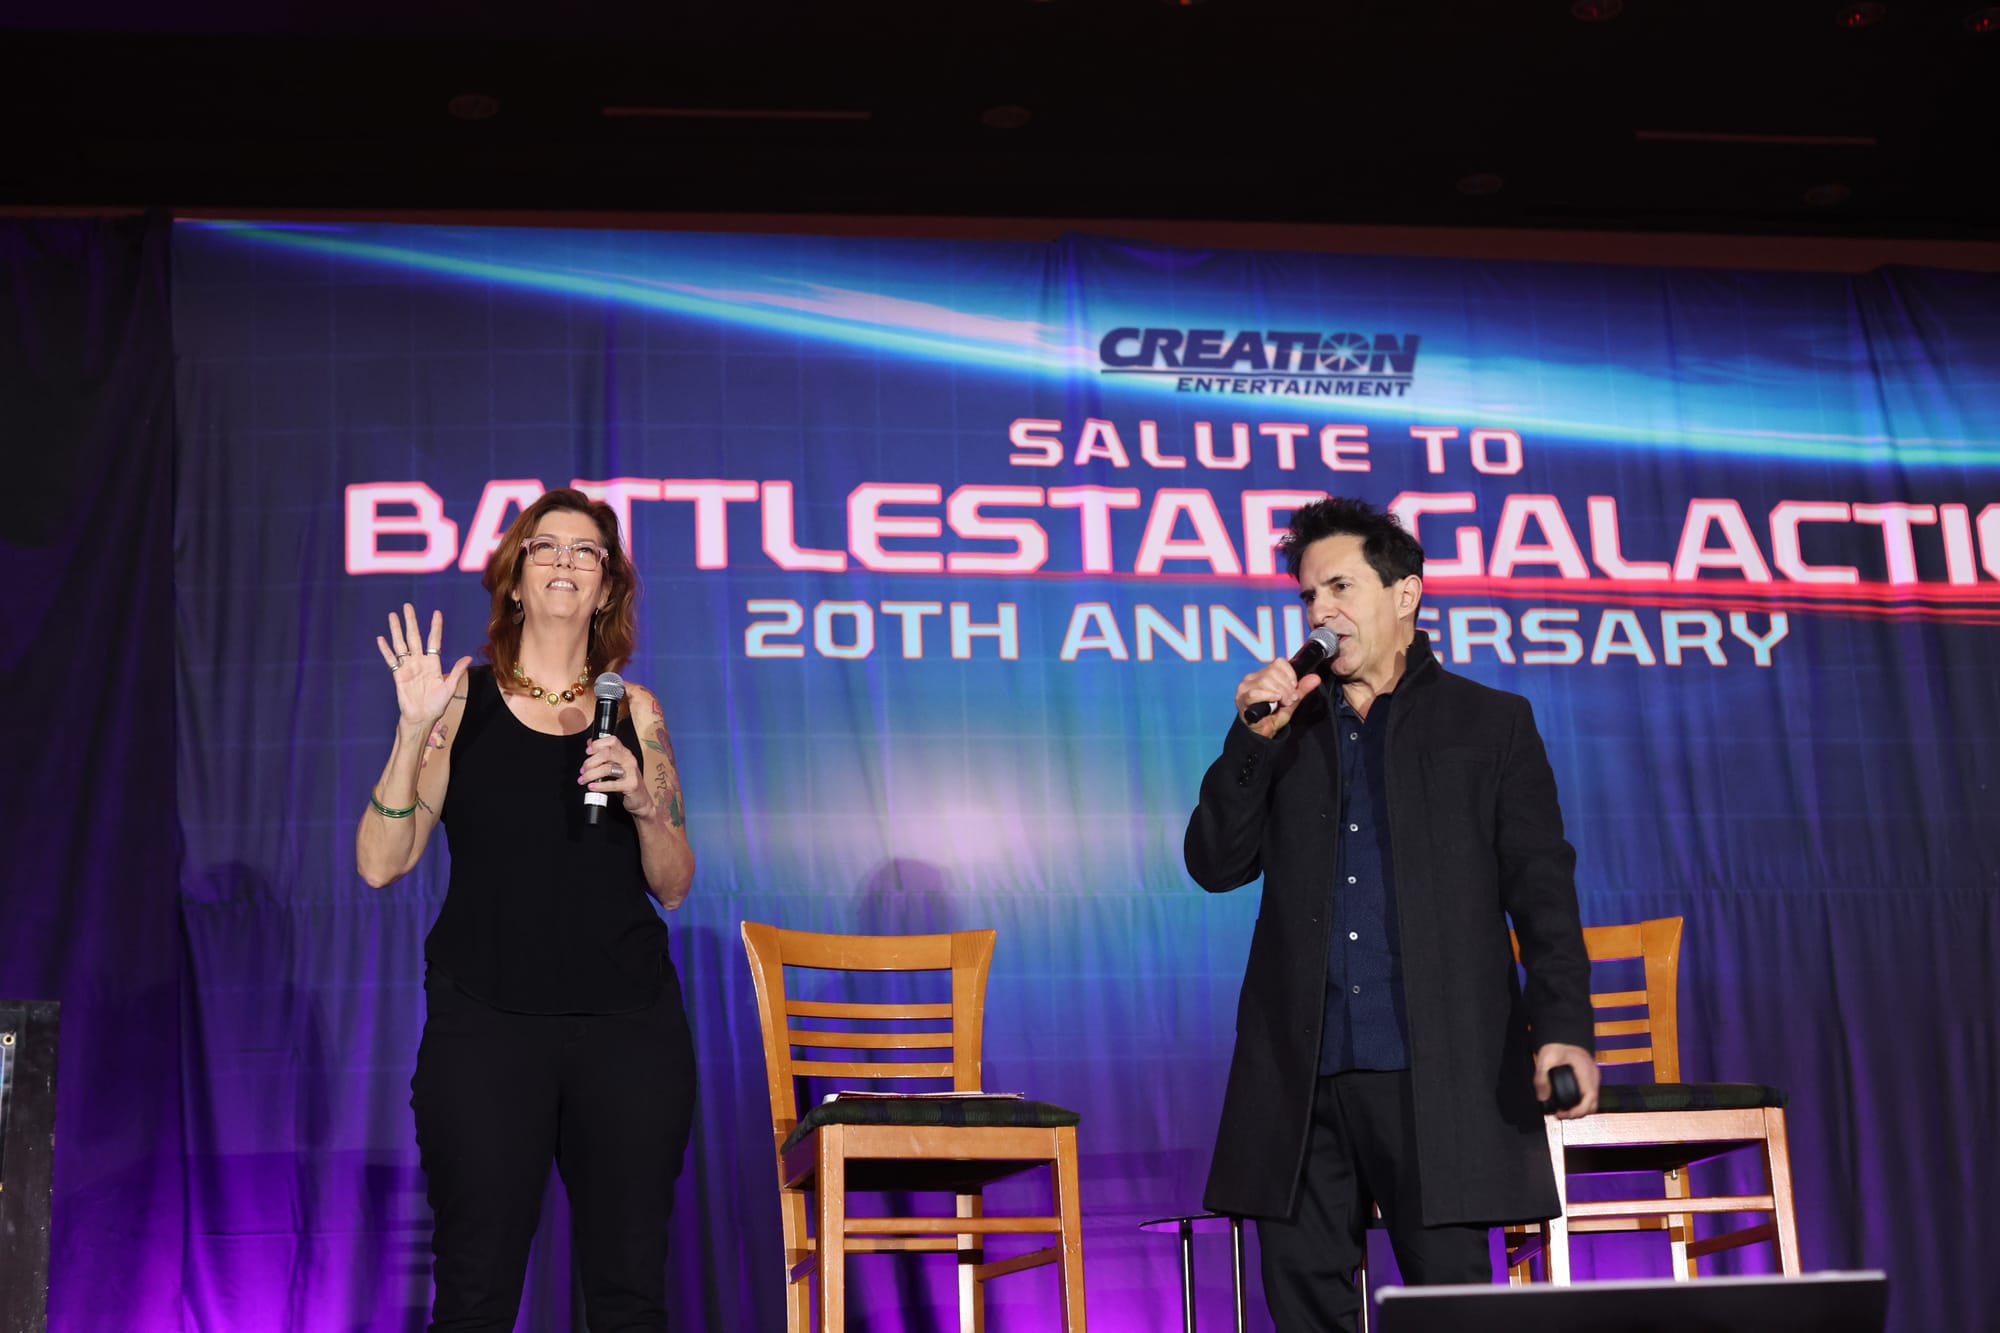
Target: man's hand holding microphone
(1268, 696)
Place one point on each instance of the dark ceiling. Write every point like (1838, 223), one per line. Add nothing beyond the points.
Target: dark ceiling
(1770, 116)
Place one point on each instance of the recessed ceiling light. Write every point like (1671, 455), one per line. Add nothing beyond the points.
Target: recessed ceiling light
(1005, 117)
(1865, 15)
(473, 106)
(1830, 195)
(1596, 11)
(1481, 182)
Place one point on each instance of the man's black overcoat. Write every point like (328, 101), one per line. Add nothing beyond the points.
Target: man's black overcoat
(1477, 840)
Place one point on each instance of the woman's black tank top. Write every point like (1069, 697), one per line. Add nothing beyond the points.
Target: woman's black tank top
(545, 914)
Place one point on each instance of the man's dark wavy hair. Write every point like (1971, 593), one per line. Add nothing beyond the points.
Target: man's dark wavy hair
(1391, 549)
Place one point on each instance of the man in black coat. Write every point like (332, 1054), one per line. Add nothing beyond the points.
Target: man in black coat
(1385, 1050)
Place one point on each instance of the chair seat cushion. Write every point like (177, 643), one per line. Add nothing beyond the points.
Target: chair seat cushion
(1008, 1112)
(1615, 1097)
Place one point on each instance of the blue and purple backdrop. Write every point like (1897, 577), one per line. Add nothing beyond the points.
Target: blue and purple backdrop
(953, 553)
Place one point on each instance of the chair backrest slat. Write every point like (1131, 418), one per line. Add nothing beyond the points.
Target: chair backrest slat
(1618, 999)
(871, 1013)
(868, 1041)
(868, 953)
(1624, 1027)
(1616, 1056)
(867, 1070)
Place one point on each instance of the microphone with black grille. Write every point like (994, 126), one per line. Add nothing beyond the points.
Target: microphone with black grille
(609, 688)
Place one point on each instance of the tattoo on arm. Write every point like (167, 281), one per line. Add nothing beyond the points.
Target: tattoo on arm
(664, 744)
(435, 742)
(666, 788)
(427, 806)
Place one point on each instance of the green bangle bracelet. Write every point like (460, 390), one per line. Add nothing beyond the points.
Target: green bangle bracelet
(387, 813)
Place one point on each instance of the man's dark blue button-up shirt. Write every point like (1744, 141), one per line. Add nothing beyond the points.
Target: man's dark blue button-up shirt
(1365, 1025)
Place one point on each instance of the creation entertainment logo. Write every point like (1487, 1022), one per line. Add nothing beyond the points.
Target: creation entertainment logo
(1284, 364)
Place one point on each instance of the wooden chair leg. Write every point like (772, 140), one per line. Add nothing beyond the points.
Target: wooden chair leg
(1069, 1213)
(1556, 1259)
(1522, 1273)
(798, 1306)
(795, 1206)
(1680, 1226)
(1778, 1169)
(1555, 1245)
(971, 1290)
(832, 1238)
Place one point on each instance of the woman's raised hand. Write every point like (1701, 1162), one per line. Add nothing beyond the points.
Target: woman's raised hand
(423, 689)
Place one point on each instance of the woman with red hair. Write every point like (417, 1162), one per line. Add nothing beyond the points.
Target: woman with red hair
(553, 1029)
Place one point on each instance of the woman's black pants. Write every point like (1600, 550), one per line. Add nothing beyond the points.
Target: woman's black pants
(498, 1096)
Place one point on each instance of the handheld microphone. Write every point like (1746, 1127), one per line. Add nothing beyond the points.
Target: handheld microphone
(609, 688)
(1563, 1090)
(1321, 644)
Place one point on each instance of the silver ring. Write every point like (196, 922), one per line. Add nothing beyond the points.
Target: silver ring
(617, 772)
(430, 652)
